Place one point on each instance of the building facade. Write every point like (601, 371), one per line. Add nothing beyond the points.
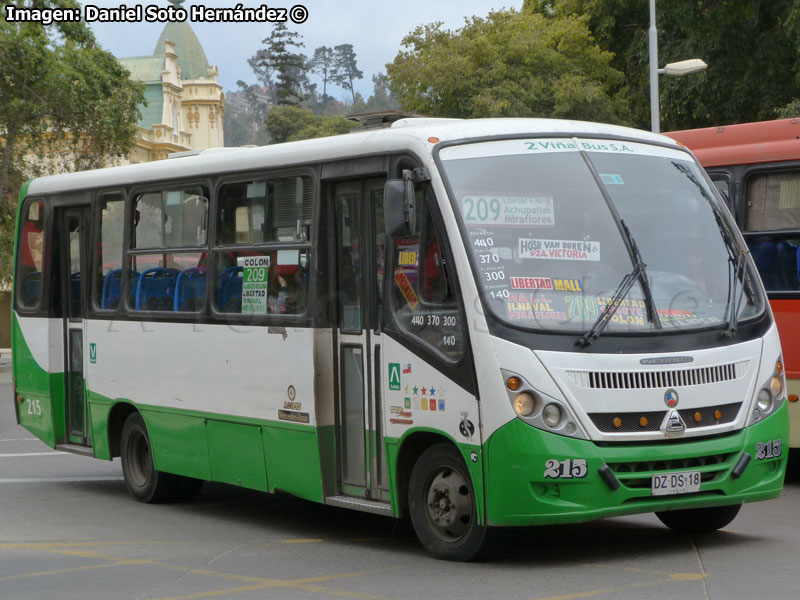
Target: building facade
(185, 103)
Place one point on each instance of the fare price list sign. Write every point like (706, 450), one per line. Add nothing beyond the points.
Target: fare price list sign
(255, 281)
(492, 270)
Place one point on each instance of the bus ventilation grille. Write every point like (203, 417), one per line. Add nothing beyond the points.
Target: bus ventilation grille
(639, 474)
(693, 417)
(634, 380)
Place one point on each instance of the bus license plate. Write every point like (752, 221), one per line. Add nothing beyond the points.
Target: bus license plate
(667, 484)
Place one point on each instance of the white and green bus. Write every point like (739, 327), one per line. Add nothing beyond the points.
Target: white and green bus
(474, 323)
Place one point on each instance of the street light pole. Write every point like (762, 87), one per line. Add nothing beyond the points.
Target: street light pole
(653, 38)
(683, 67)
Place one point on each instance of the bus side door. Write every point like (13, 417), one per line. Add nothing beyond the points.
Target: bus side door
(360, 255)
(73, 228)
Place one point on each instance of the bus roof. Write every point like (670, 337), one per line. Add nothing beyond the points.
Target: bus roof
(747, 143)
(403, 136)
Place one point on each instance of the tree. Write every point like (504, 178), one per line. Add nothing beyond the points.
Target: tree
(383, 98)
(245, 111)
(346, 68)
(292, 123)
(278, 61)
(65, 104)
(509, 64)
(751, 48)
(322, 64)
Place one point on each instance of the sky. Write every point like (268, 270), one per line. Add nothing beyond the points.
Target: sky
(374, 27)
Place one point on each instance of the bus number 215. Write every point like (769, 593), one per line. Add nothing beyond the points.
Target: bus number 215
(34, 407)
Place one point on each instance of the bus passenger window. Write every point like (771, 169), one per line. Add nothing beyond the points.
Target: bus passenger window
(265, 211)
(772, 228)
(261, 281)
(108, 284)
(424, 302)
(31, 253)
(171, 219)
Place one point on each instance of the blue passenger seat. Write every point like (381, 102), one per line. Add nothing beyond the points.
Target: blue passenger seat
(190, 290)
(230, 290)
(155, 289)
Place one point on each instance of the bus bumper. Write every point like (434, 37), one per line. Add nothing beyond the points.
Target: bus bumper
(518, 493)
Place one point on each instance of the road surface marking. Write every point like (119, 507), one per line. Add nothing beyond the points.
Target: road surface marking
(59, 480)
(51, 453)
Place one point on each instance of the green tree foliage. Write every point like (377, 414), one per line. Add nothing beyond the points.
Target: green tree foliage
(346, 68)
(522, 64)
(292, 123)
(65, 104)
(751, 47)
(281, 69)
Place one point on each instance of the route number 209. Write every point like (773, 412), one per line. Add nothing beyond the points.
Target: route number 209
(565, 469)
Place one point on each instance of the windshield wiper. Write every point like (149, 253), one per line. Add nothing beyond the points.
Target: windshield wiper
(609, 309)
(732, 309)
(736, 254)
(736, 265)
(639, 272)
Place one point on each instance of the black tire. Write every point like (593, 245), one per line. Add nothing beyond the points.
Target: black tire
(143, 481)
(699, 520)
(441, 501)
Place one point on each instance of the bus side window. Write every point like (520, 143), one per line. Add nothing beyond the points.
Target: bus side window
(423, 297)
(108, 284)
(773, 204)
(261, 255)
(161, 277)
(31, 255)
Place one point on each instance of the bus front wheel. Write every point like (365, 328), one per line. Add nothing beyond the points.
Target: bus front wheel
(699, 520)
(441, 502)
(143, 481)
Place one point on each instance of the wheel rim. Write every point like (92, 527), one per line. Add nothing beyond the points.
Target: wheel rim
(449, 504)
(140, 464)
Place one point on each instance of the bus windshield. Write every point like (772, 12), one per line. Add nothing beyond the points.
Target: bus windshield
(550, 253)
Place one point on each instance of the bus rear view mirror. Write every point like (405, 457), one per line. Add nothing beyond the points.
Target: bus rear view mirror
(399, 210)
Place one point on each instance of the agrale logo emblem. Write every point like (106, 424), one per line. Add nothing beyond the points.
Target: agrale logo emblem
(671, 398)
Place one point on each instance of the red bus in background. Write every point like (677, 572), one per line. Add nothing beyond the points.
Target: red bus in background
(757, 167)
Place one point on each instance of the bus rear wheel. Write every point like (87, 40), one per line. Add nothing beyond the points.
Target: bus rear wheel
(699, 520)
(441, 501)
(143, 481)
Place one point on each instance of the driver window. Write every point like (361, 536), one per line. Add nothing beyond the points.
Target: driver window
(424, 300)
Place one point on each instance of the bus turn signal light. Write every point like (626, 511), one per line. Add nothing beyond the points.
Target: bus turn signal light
(793, 398)
(698, 417)
(433, 140)
(20, 399)
(717, 414)
(617, 422)
(643, 421)
(514, 383)
(779, 367)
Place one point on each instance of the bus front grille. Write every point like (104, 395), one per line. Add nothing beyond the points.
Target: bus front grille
(638, 475)
(629, 380)
(632, 422)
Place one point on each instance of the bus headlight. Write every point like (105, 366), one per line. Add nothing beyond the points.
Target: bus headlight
(770, 395)
(776, 386)
(764, 400)
(524, 404)
(540, 410)
(551, 415)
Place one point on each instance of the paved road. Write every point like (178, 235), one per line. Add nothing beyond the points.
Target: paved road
(68, 530)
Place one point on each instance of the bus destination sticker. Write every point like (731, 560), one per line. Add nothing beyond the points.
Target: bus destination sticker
(255, 280)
